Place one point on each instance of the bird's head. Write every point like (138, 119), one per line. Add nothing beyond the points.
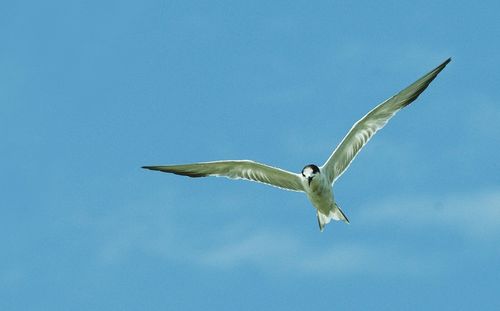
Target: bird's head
(309, 171)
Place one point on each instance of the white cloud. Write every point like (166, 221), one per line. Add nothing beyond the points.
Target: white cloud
(380, 259)
(282, 253)
(473, 215)
(262, 248)
(468, 218)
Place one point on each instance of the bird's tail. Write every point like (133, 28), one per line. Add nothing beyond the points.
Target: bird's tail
(336, 213)
(339, 214)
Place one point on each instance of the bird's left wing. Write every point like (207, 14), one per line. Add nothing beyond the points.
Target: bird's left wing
(364, 129)
(237, 169)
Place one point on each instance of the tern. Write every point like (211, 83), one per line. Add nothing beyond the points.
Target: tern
(316, 181)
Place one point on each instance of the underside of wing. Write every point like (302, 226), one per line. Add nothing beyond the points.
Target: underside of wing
(237, 169)
(364, 129)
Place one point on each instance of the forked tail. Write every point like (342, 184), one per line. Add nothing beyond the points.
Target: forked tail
(336, 213)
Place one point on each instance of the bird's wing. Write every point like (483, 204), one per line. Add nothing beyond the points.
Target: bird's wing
(237, 169)
(366, 127)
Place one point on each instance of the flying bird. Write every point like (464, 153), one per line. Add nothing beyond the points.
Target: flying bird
(315, 181)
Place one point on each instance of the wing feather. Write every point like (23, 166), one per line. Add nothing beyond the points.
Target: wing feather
(366, 127)
(237, 169)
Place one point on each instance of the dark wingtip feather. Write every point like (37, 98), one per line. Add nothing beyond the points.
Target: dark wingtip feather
(191, 174)
(175, 170)
(153, 168)
(441, 67)
(438, 69)
(421, 84)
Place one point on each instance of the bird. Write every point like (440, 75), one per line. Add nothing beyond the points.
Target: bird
(315, 181)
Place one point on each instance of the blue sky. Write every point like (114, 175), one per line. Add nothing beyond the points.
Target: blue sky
(92, 90)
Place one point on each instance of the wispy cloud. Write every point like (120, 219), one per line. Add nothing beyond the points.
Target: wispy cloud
(474, 215)
(472, 218)
(261, 248)
(279, 252)
(377, 259)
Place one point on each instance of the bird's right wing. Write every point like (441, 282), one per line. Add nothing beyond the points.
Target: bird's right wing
(237, 169)
(366, 127)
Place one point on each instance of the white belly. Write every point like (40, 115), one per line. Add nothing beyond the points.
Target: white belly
(321, 196)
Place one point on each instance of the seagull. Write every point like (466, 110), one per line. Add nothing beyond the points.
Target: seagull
(316, 181)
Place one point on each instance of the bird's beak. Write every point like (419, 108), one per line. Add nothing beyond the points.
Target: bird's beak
(309, 179)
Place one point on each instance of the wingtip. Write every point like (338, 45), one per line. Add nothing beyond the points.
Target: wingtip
(443, 64)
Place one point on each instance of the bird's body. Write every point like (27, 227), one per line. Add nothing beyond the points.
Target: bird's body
(320, 194)
(319, 191)
(315, 181)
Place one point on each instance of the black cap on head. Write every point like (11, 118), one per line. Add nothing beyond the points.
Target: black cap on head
(313, 167)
